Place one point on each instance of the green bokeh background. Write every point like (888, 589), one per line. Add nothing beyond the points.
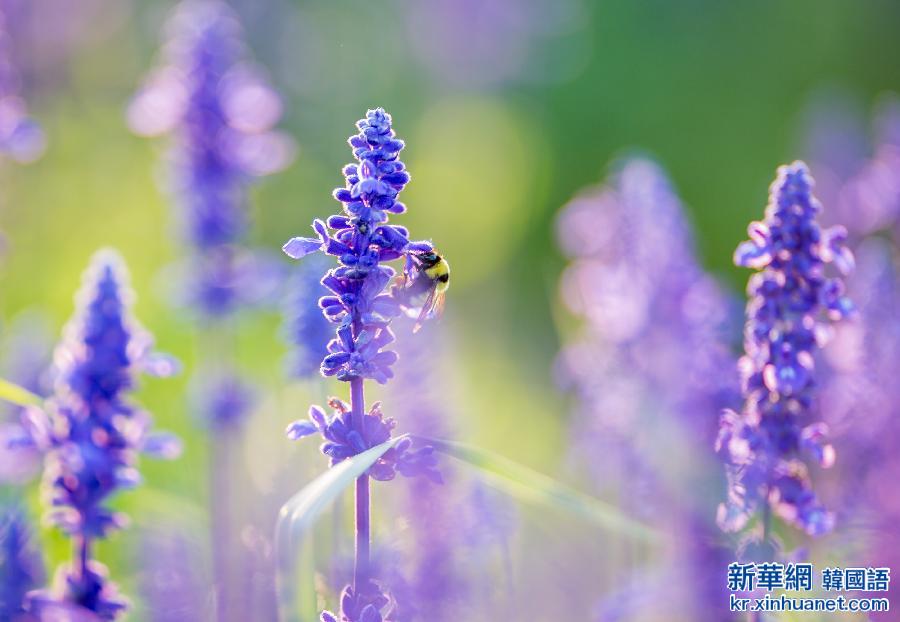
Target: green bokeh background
(717, 91)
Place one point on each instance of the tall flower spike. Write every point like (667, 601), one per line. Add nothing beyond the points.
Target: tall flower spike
(648, 307)
(791, 302)
(361, 305)
(93, 434)
(21, 138)
(221, 113)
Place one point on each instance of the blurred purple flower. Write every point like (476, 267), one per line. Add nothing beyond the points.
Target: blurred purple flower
(861, 191)
(650, 355)
(306, 329)
(228, 278)
(861, 401)
(221, 399)
(91, 433)
(650, 309)
(768, 443)
(21, 138)
(21, 569)
(221, 113)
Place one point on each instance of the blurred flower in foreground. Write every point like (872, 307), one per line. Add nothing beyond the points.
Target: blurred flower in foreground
(92, 434)
(21, 138)
(768, 443)
(362, 306)
(20, 564)
(648, 362)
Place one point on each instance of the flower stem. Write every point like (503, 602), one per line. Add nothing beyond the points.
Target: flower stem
(83, 555)
(363, 530)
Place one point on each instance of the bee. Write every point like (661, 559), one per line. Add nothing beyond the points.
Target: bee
(421, 293)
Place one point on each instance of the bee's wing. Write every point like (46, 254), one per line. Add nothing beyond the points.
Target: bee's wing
(427, 307)
(438, 304)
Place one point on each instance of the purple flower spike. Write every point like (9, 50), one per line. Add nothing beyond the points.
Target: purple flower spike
(221, 114)
(647, 307)
(792, 301)
(362, 302)
(92, 434)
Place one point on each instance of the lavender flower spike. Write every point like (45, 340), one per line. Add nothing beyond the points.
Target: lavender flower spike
(92, 434)
(767, 445)
(362, 306)
(221, 113)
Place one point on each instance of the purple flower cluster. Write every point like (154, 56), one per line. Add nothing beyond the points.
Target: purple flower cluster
(864, 192)
(792, 299)
(21, 138)
(344, 440)
(92, 434)
(221, 112)
(360, 304)
(366, 604)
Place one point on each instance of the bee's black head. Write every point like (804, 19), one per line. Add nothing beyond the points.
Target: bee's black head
(429, 258)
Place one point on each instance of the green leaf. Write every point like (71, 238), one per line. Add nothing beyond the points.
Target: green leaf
(299, 514)
(15, 394)
(528, 485)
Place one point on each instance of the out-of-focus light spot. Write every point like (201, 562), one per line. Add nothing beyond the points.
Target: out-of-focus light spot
(474, 168)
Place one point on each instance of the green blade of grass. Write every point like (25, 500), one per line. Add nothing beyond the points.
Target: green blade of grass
(15, 394)
(297, 517)
(530, 486)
